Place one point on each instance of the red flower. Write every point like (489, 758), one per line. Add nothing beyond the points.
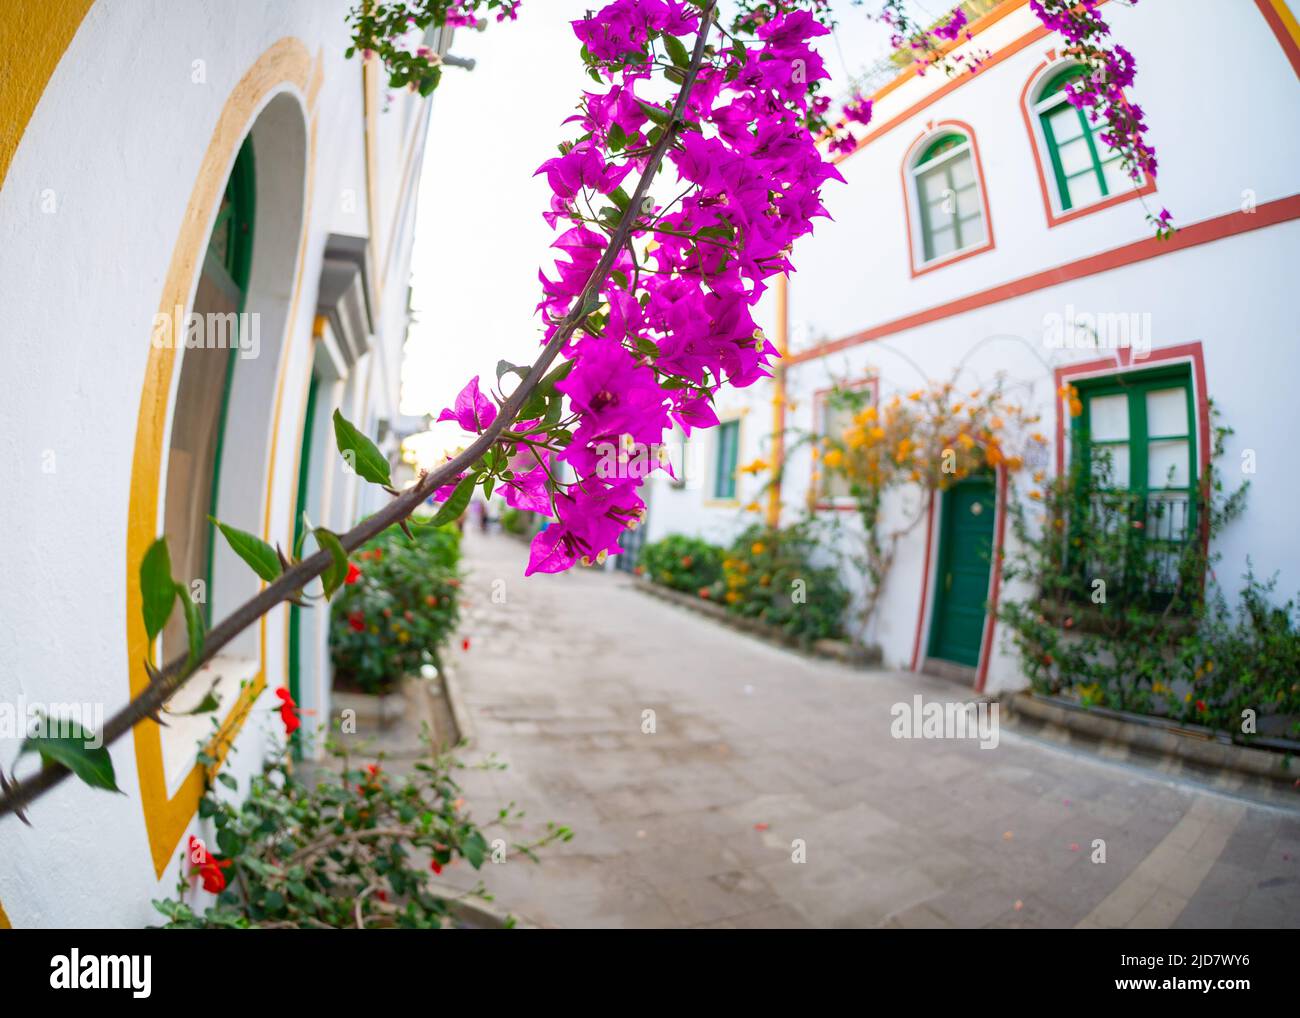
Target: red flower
(354, 573)
(288, 711)
(436, 866)
(207, 868)
(1200, 706)
(464, 644)
(357, 621)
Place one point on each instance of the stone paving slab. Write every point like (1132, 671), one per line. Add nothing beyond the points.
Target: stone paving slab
(757, 751)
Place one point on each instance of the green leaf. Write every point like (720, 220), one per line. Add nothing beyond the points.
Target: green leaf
(474, 848)
(334, 576)
(230, 843)
(554, 410)
(659, 116)
(535, 407)
(457, 504)
(193, 625)
(556, 374)
(252, 549)
(93, 766)
(677, 51)
(488, 483)
(505, 367)
(157, 588)
(209, 703)
(359, 452)
(619, 197)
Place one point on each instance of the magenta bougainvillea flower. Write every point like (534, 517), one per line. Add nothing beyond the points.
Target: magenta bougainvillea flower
(674, 320)
(672, 323)
(473, 411)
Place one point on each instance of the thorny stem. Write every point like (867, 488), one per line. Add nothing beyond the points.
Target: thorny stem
(164, 683)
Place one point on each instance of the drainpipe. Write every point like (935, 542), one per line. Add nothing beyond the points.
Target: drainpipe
(778, 400)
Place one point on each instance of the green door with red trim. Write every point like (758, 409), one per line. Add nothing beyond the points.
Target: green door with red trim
(966, 518)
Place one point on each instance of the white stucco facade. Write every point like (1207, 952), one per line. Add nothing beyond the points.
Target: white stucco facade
(862, 309)
(105, 210)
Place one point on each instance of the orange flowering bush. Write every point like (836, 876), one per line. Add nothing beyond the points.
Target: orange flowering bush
(929, 438)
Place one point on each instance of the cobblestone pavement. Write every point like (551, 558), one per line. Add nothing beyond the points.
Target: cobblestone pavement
(755, 747)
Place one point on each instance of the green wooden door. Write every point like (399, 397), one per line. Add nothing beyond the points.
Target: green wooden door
(962, 579)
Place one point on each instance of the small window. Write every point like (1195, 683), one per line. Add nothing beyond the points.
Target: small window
(949, 205)
(837, 417)
(1137, 445)
(724, 467)
(1086, 169)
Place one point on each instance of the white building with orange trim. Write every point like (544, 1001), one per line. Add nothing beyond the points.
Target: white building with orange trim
(981, 221)
(207, 214)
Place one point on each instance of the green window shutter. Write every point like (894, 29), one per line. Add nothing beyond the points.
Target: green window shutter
(724, 476)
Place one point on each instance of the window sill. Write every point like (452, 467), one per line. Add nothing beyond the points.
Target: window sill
(952, 259)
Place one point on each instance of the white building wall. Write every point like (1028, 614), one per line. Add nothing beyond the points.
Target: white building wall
(118, 138)
(1220, 154)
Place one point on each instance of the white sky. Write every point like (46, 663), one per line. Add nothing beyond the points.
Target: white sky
(480, 236)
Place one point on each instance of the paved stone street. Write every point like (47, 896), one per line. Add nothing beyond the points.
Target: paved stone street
(755, 747)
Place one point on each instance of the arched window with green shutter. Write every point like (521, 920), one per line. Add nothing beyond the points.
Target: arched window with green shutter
(947, 190)
(1086, 170)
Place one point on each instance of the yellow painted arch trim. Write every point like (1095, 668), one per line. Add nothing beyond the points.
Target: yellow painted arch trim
(33, 39)
(285, 62)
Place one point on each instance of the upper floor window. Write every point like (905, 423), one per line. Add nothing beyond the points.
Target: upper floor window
(948, 199)
(1086, 169)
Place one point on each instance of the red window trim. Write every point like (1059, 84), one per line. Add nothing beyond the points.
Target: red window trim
(1122, 361)
(1055, 217)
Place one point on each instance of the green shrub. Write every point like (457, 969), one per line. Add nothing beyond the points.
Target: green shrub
(769, 575)
(356, 847)
(401, 610)
(689, 564)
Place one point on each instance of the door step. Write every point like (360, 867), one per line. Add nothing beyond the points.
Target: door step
(949, 670)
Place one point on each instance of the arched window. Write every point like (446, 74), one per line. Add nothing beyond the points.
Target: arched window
(1085, 169)
(949, 203)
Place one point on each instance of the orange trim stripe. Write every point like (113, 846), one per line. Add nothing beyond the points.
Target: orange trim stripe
(901, 118)
(1205, 232)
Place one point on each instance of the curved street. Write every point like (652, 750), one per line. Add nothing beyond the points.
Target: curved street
(759, 755)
